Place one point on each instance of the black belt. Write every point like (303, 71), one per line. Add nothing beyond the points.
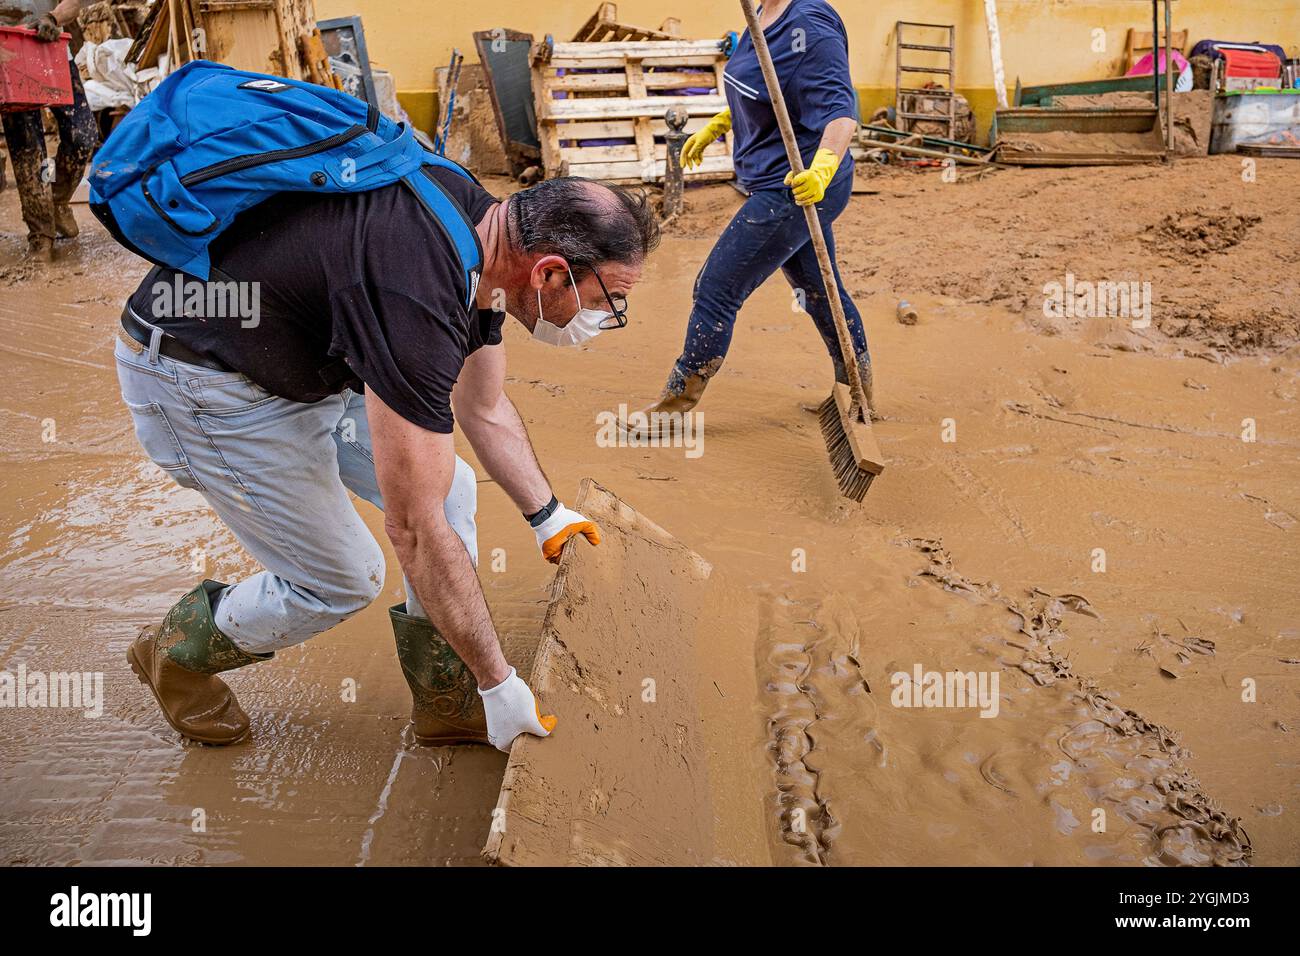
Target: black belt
(168, 346)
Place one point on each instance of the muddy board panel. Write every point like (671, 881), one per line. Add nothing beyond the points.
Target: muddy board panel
(625, 779)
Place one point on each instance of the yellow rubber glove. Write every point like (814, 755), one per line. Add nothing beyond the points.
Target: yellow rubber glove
(810, 185)
(693, 148)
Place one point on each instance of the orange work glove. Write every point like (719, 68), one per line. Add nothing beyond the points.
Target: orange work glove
(561, 525)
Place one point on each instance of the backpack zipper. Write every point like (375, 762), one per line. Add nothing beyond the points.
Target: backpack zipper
(240, 163)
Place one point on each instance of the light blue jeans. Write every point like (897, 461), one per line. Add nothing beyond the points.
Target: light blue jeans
(278, 474)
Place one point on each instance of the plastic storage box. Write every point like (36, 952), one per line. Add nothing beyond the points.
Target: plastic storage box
(32, 73)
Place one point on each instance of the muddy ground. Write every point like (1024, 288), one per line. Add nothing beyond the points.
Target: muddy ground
(1105, 516)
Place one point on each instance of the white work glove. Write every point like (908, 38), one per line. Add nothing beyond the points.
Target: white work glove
(511, 710)
(562, 525)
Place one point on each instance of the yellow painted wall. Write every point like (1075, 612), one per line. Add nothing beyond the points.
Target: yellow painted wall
(1043, 41)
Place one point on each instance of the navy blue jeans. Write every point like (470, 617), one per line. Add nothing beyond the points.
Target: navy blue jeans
(769, 232)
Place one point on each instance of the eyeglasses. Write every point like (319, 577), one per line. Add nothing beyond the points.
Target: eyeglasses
(617, 305)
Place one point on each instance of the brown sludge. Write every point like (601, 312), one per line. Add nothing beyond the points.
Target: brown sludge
(641, 773)
(1120, 690)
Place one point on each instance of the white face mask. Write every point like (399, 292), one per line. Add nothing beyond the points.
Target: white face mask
(583, 327)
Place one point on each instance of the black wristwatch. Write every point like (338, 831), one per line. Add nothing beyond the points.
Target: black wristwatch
(537, 517)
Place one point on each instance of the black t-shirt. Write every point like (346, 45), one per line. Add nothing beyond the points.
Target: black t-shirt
(351, 288)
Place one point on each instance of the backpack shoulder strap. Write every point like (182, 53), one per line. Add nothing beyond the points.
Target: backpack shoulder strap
(455, 223)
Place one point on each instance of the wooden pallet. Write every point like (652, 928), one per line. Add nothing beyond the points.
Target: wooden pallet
(600, 106)
(603, 27)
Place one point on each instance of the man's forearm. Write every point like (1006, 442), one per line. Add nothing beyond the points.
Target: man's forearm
(501, 443)
(438, 566)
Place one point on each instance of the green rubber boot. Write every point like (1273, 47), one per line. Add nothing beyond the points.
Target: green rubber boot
(446, 707)
(179, 660)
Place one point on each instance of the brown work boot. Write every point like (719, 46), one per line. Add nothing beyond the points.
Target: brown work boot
(445, 707)
(65, 223)
(680, 395)
(179, 660)
(41, 248)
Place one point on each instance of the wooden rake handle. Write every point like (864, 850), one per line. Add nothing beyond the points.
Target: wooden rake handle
(810, 211)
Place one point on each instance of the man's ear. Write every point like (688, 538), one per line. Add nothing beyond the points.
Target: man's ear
(549, 270)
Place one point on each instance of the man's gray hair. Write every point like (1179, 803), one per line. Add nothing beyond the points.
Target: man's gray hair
(585, 221)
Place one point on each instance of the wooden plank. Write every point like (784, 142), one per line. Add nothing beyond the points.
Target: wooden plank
(617, 80)
(715, 167)
(645, 141)
(642, 49)
(635, 80)
(568, 799)
(587, 82)
(596, 23)
(593, 62)
(627, 152)
(596, 129)
(620, 129)
(602, 109)
(247, 39)
(645, 148)
(599, 154)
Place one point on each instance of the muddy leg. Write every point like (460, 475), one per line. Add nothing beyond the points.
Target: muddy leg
(77, 138)
(804, 275)
(25, 136)
(762, 235)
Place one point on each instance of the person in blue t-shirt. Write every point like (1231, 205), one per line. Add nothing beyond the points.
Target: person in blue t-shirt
(809, 49)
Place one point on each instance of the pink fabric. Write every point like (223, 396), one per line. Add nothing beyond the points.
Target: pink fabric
(1143, 66)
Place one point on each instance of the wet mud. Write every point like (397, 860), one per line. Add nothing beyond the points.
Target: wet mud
(1103, 517)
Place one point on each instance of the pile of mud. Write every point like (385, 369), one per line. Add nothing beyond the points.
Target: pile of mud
(1004, 237)
(1200, 232)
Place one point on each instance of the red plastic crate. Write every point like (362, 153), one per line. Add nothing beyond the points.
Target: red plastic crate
(32, 73)
(1249, 63)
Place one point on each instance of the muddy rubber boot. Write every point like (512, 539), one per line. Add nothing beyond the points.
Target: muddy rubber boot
(179, 660)
(864, 370)
(40, 248)
(680, 395)
(679, 400)
(446, 707)
(65, 223)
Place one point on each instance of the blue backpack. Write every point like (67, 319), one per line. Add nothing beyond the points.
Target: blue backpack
(212, 141)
